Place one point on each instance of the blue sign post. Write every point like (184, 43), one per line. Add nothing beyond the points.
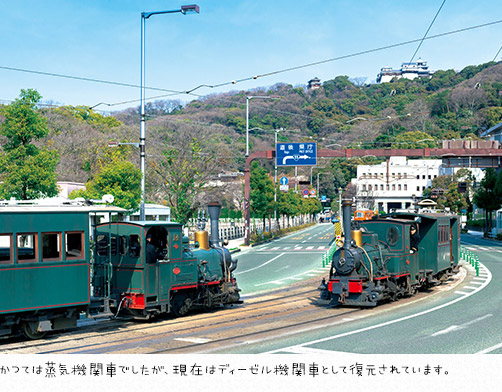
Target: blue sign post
(284, 181)
(296, 154)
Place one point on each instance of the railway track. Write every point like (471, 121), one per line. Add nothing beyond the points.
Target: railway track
(283, 312)
(133, 336)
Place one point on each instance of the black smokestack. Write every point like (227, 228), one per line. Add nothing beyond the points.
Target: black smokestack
(347, 212)
(214, 209)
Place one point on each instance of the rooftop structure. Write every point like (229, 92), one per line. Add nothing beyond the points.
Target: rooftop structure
(407, 71)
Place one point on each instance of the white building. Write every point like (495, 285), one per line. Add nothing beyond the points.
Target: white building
(398, 183)
(394, 184)
(407, 71)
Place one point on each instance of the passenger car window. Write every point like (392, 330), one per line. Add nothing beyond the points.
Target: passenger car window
(6, 249)
(26, 247)
(51, 246)
(74, 245)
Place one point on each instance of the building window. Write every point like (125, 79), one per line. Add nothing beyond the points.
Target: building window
(51, 246)
(387, 186)
(6, 249)
(370, 188)
(418, 188)
(74, 248)
(423, 176)
(418, 177)
(399, 187)
(393, 187)
(381, 187)
(26, 247)
(405, 187)
(364, 187)
(429, 176)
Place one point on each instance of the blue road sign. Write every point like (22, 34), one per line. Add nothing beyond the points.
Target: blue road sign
(284, 181)
(323, 198)
(296, 154)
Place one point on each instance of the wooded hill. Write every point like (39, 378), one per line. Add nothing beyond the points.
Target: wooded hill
(342, 113)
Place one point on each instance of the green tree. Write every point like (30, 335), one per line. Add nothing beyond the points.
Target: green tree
(488, 195)
(117, 177)
(27, 172)
(262, 192)
(183, 171)
(310, 206)
(414, 139)
(288, 204)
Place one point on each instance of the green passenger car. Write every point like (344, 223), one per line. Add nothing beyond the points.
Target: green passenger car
(44, 267)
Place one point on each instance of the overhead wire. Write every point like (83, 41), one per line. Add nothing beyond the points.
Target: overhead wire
(254, 77)
(495, 58)
(427, 32)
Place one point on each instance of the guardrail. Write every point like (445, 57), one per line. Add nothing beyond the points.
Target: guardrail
(326, 257)
(471, 258)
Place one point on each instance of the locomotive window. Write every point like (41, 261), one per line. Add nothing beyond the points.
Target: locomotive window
(102, 244)
(134, 245)
(113, 246)
(123, 245)
(26, 247)
(5, 249)
(51, 246)
(392, 236)
(74, 245)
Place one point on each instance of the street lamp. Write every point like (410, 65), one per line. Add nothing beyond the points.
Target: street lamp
(185, 9)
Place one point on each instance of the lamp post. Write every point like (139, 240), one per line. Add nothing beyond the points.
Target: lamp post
(275, 179)
(247, 216)
(185, 9)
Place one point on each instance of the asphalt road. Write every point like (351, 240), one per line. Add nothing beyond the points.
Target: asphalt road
(460, 318)
(283, 261)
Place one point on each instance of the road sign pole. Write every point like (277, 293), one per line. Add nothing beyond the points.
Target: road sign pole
(296, 179)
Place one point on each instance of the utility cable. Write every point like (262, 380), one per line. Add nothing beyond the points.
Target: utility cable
(190, 91)
(427, 32)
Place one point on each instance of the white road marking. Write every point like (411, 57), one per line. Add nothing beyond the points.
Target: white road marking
(283, 268)
(462, 326)
(490, 349)
(261, 265)
(193, 340)
(293, 277)
(306, 350)
(447, 330)
(390, 322)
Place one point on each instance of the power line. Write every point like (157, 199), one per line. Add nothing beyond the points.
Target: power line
(495, 58)
(254, 77)
(372, 50)
(427, 32)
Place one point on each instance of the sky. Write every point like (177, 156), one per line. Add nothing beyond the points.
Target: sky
(229, 40)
